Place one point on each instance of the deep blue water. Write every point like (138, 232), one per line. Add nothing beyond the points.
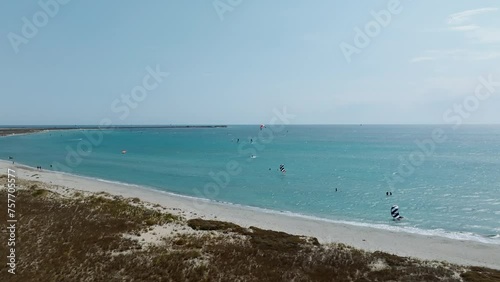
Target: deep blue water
(454, 191)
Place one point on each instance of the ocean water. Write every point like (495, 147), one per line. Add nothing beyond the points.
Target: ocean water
(333, 172)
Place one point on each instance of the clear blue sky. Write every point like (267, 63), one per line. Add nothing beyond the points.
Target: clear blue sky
(261, 55)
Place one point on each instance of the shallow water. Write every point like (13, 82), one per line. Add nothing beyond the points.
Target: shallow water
(452, 191)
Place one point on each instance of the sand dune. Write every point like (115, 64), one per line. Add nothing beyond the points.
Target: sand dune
(371, 239)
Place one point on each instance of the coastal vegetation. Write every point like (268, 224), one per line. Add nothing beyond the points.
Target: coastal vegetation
(29, 130)
(69, 235)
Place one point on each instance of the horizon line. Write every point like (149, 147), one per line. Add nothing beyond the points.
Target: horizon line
(220, 124)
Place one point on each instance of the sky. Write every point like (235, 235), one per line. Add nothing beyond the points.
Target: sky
(239, 61)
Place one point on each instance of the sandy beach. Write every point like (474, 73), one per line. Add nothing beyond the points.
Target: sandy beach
(371, 239)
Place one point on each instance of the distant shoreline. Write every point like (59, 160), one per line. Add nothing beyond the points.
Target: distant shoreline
(30, 130)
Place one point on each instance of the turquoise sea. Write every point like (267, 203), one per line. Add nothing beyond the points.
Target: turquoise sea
(333, 172)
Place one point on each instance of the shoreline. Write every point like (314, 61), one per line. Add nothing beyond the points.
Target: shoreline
(464, 252)
(10, 131)
(5, 132)
(458, 236)
(440, 233)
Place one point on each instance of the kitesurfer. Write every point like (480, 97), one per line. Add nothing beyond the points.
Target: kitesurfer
(395, 213)
(282, 168)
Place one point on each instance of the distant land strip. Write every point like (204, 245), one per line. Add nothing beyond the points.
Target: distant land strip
(29, 130)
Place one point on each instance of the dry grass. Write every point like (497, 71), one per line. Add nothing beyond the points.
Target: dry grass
(480, 274)
(81, 239)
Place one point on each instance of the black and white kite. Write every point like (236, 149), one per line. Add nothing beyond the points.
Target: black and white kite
(282, 168)
(395, 213)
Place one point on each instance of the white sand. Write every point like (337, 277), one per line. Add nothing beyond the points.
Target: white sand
(372, 239)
